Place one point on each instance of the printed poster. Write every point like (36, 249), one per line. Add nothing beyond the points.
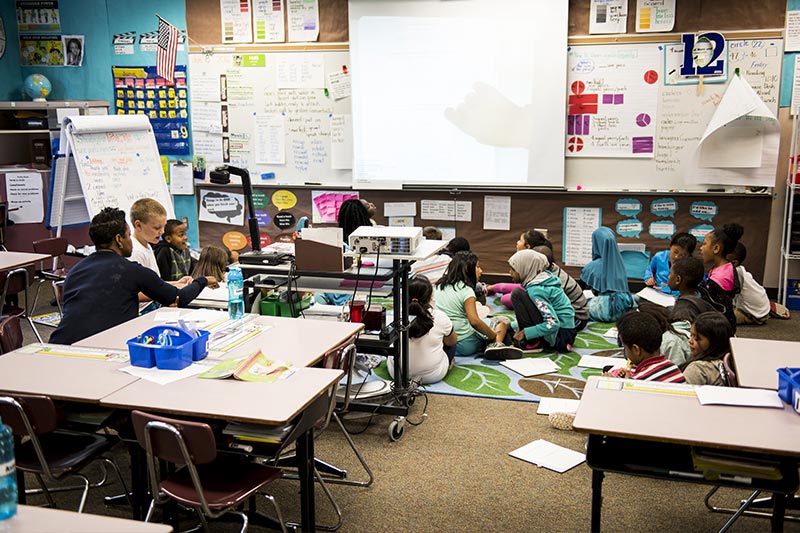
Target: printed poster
(25, 198)
(612, 100)
(221, 207)
(579, 224)
(303, 19)
(38, 16)
(41, 51)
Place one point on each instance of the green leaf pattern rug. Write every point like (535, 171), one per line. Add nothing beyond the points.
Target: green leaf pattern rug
(475, 376)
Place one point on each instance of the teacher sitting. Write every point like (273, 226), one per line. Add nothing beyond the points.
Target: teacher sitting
(102, 290)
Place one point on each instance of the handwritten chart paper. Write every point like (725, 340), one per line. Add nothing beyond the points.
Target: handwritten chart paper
(270, 138)
(235, 18)
(608, 16)
(303, 18)
(579, 223)
(655, 15)
(342, 141)
(268, 21)
(612, 100)
(497, 212)
(297, 71)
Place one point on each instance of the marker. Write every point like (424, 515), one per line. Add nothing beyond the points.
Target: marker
(326, 92)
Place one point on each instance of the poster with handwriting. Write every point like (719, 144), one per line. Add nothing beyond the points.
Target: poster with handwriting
(612, 100)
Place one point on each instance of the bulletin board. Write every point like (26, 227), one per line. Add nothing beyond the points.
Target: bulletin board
(696, 213)
(676, 114)
(274, 116)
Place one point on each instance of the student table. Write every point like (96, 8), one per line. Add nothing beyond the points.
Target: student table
(43, 520)
(757, 360)
(302, 342)
(653, 430)
(10, 260)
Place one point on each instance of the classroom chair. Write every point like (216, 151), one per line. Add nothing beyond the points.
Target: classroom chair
(11, 336)
(726, 371)
(50, 452)
(14, 282)
(55, 247)
(211, 485)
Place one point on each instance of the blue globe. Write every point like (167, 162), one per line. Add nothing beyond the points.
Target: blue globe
(37, 86)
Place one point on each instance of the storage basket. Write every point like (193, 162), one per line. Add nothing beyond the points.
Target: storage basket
(178, 355)
(789, 387)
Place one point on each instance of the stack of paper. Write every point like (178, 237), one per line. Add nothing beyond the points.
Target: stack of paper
(657, 297)
(548, 455)
(711, 395)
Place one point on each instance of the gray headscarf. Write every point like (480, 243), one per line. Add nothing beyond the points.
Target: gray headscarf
(531, 266)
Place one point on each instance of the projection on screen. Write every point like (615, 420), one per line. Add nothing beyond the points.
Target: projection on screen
(469, 93)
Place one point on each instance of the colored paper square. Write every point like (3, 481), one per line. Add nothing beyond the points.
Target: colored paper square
(608, 98)
(642, 145)
(618, 99)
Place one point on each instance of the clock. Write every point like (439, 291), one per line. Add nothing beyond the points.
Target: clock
(2, 38)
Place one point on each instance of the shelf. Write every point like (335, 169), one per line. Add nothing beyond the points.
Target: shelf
(53, 104)
(25, 131)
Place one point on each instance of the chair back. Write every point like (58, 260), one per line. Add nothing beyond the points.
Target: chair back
(343, 358)
(30, 415)
(54, 246)
(14, 282)
(726, 371)
(163, 437)
(10, 333)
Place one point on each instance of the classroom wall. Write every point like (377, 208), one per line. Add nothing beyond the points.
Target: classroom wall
(97, 21)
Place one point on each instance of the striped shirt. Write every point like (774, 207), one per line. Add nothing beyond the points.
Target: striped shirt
(573, 292)
(657, 368)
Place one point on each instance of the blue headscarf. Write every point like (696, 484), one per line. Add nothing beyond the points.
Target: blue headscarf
(606, 271)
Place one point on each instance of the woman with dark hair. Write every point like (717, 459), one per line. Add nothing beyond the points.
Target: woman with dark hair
(428, 335)
(353, 214)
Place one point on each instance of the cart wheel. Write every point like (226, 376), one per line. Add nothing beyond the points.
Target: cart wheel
(396, 429)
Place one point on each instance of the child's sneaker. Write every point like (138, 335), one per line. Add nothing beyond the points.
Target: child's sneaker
(497, 351)
(561, 420)
(532, 346)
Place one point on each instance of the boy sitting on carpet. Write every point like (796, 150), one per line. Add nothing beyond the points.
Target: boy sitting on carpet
(639, 335)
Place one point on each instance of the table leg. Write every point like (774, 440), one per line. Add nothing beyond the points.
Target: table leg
(778, 510)
(138, 480)
(305, 466)
(597, 498)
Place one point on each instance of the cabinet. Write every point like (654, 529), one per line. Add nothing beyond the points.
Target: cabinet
(27, 129)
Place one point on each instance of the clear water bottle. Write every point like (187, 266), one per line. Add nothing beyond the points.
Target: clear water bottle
(235, 292)
(8, 474)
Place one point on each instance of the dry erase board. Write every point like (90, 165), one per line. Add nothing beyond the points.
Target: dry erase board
(270, 113)
(117, 162)
(680, 112)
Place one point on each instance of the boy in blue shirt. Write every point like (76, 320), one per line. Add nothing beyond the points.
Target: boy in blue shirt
(682, 245)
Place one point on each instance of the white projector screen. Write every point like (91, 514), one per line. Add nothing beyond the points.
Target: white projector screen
(458, 92)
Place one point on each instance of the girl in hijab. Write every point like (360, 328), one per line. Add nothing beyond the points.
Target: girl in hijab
(545, 316)
(605, 275)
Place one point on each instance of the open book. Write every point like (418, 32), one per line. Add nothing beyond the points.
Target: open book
(256, 367)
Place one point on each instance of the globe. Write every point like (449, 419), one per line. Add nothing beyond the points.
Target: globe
(37, 87)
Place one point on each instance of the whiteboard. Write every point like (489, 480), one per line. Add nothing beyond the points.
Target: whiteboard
(117, 161)
(274, 106)
(682, 112)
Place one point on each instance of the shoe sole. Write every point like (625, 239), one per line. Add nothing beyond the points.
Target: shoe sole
(502, 354)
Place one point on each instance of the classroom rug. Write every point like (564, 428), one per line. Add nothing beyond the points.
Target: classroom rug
(475, 376)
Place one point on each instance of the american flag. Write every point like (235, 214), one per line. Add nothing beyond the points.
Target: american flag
(167, 50)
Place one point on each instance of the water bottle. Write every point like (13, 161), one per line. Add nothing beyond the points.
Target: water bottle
(8, 474)
(235, 292)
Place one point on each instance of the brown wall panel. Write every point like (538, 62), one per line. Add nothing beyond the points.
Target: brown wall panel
(545, 210)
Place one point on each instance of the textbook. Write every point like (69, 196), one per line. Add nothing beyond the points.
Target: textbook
(256, 367)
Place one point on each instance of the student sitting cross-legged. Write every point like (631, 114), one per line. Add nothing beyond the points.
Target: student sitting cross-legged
(102, 290)
(605, 275)
(544, 313)
(639, 335)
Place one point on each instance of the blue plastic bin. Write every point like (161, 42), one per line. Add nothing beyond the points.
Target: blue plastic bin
(200, 346)
(174, 357)
(789, 387)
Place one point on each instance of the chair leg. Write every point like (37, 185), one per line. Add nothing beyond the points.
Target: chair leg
(360, 457)
(245, 520)
(46, 491)
(150, 509)
(739, 511)
(114, 466)
(274, 503)
(85, 494)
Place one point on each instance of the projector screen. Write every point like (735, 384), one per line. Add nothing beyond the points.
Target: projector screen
(458, 92)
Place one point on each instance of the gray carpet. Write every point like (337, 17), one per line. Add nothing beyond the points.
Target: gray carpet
(452, 473)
